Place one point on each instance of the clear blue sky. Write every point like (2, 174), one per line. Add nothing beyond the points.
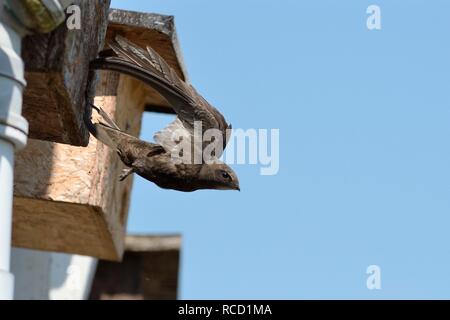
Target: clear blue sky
(364, 119)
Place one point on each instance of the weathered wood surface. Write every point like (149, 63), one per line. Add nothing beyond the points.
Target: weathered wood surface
(149, 270)
(155, 30)
(69, 199)
(57, 75)
(57, 67)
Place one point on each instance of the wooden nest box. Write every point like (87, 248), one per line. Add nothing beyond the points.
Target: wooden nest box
(67, 196)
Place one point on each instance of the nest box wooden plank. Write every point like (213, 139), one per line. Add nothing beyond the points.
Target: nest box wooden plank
(67, 198)
(56, 71)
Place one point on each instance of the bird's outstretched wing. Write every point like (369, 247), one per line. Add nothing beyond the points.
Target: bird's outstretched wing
(191, 108)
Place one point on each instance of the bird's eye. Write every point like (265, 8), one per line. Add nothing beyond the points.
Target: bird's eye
(225, 175)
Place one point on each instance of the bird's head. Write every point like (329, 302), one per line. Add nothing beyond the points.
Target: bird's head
(219, 176)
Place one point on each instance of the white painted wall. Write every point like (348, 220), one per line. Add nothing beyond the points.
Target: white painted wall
(51, 276)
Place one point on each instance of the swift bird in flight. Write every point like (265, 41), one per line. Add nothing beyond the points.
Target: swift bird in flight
(156, 161)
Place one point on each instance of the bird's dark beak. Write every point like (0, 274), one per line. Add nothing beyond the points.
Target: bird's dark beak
(238, 189)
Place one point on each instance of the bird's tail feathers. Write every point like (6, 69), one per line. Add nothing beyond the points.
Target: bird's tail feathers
(109, 132)
(105, 117)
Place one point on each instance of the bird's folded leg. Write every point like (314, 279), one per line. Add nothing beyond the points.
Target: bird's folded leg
(125, 173)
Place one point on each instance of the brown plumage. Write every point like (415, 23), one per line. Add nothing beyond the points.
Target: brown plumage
(155, 161)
